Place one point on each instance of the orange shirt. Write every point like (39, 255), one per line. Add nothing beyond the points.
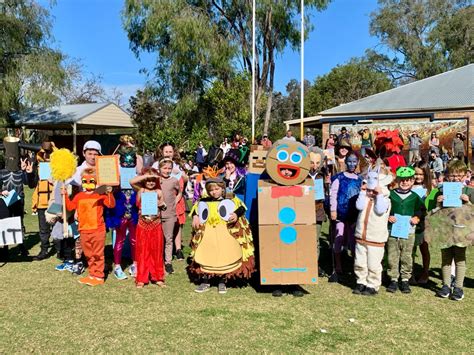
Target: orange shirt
(90, 209)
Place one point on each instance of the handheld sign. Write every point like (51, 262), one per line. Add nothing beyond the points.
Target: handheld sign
(108, 170)
(44, 171)
(452, 194)
(420, 191)
(126, 174)
(401, 228)
(318, 189)
(149, 203)
(11, 231)
(11, 198)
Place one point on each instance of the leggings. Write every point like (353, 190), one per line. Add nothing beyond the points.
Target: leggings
(459, 256)
(344, 236)
(169, 226)
(125, 224)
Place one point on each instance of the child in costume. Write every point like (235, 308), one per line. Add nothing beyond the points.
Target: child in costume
(167, 150)
(40, 200)
(89, 206)
(172, 195)
(371, 230)
(345, 188)
(455, 229)
(222, 240)
(149, 245)
(124, 217)
(423, 186)
(405, 202)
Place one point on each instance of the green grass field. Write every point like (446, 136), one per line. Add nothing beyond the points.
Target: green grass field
(47, 311)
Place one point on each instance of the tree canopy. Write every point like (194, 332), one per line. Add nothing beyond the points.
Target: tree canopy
(421, 38)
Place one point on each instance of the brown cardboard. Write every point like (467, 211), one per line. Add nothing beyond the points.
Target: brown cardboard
(283, 261)
(257, 159)
(276, 163)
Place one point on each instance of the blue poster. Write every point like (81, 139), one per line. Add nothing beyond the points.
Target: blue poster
(420, 191)
(149, 203)
(452, 194)
(318, 189)
(401, 228)
(11, 198)
(44, 171)
(126, 174)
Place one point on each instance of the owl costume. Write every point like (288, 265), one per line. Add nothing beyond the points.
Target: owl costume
(219, 248)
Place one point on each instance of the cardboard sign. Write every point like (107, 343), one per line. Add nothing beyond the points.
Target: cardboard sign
(452, 194)
(44, 171)
(420, 191)
(11, 198)
(149, 203)
(127, 174)
(11, 231)
(107, 167)
(287, 234)
(257, 159)
(401, 228)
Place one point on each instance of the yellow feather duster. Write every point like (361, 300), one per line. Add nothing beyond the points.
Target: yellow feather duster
(63, 164)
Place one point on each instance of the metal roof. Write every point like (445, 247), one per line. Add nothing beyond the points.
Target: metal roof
(65, 115)
(450, 90)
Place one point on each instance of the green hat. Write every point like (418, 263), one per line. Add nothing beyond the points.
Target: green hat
(405, 172)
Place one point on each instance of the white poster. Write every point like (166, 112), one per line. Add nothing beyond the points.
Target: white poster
(11, 231)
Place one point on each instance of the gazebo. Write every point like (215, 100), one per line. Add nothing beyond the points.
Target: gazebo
(75, 120)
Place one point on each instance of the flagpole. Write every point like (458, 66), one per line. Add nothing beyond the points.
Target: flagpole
(302, 72)
(253, 71)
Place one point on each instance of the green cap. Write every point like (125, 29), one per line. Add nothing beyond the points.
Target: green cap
(405, 172)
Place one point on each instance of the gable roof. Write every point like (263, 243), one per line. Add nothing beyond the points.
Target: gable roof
(450, 90)
(95, 115)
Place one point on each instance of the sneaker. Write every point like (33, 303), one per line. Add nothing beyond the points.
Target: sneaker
(393, 287)
(444, 292)
(457, 294)
(88, 280)
(65, 266)
(169, 269)
(41, 256)
(298, 293)
(405, 287)
(78, 268)
(203, 288)
(133, 270)
(369, 291)
(119, 274)
(179, 255)
(358, 289)
(221, 288)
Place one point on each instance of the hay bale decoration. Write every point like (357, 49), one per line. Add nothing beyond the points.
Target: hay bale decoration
(63, 166)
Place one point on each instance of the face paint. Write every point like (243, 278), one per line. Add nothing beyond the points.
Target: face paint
(351, 163)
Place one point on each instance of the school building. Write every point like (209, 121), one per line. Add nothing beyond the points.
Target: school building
(443, 103)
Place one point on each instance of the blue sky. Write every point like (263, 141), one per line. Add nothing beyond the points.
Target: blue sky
(92, 31)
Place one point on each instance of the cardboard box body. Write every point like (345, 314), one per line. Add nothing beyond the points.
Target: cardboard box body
(287, 234)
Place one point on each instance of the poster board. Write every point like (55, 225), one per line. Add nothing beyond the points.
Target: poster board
(127, 174)
(287, 234)
(44, 171)
(10, 231)
(108, 170)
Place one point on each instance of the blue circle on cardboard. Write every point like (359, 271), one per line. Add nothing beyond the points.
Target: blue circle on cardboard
(264, 280)
(313, 279)
(288, 235)
(287, 215)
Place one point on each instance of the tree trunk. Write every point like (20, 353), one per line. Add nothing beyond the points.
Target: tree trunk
(268, 113)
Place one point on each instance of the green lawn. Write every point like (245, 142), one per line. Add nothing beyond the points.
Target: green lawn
(46, 311)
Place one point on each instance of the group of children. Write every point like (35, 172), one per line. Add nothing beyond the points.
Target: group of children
(364, 209)
(374, 215)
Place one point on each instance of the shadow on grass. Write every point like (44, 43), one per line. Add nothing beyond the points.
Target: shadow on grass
(18, 253)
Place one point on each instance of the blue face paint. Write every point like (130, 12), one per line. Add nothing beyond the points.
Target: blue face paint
(351, 163)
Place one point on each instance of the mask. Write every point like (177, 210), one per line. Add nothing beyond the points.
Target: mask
(351, 163)
(88, 182)
(12, 153)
